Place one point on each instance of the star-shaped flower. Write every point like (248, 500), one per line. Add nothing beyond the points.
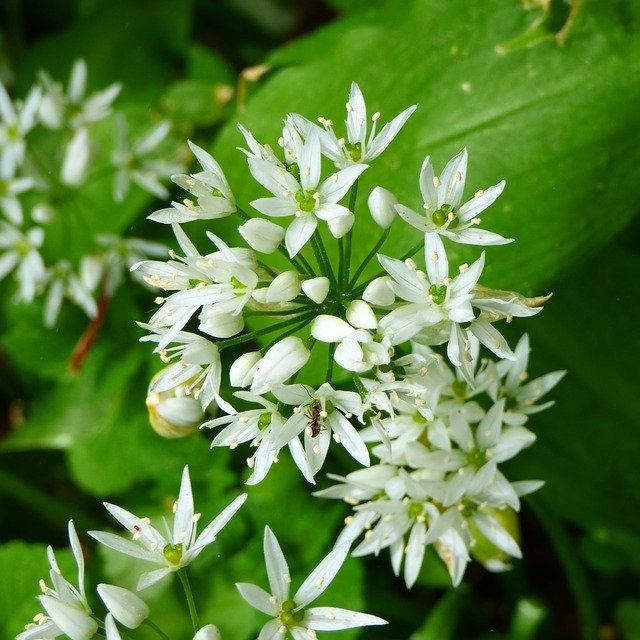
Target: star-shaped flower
(179, 547)
(444, 214)
(291, 617)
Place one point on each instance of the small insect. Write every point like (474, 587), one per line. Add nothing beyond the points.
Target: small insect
(314, 425)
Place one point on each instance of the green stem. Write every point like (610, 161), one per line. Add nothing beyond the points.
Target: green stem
(408, 254)
(245, 337)
(353, 194)
(565, 549)
(157, 629)
(293, 329)
(332, 350)
(341, 260)
(322, 256)
(370, 255)
(182, 573)
(359, 386)
(305, 263)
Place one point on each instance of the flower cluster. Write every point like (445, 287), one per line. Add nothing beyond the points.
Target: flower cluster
(39, 187)
(404, 378)
(68, 612)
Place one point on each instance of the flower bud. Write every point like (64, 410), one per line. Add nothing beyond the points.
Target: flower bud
(75, 622)
(220, 323)
(284, 288)
(209, 632)
(285, 358)
(241, 371)
(172, 412)
(341, 225)
(76, 159)
(379, 293)
(124, 605)
(382, 207)
(316, 289)
(360, 315)
(262, 235)
(330, 328)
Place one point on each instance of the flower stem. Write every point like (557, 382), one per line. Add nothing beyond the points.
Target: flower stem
(293, 329)
(322, 257)
(245, 337)
(332, 350)
(305, 263)
(353, 194)
(182, 573)
(157, 629)
(365, 262)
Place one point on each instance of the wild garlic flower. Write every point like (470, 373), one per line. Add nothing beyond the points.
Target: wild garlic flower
(214, 198)
(181, 544)
(20, 253)
(10, 189)
(443, 213)
(305, 198)
(357, 148)
(291, 615)
(16, 121)
(133, 164)
(67, 608)
(403, 382)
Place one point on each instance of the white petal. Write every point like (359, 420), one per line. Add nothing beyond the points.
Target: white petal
(333, 619)
(277, 568)
(320, 578)
(299, 232)
(379, 293)
(125, 606)
(262, 235)
(76, 623)
(183, 516)
(208, 632)
(281, 361)
(258, 598)
(495, 533)
(241, 371)
(330, 328)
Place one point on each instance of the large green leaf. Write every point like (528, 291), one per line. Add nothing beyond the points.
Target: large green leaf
(557, 123)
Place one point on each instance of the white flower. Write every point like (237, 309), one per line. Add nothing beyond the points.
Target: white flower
(209, 187)
(520, 397)
(61, 282)
(179, 548)
(305, 199)
(443, 213)
(10, 188)
(20, 252)
(262, 235)
(124, 605)
(15, 124)
(58, 108)
(321, 414)
(290, 614)
(382, 205)
(132, 164)
(433, 296)
(66, 606)
(279, 363)
(357, 148)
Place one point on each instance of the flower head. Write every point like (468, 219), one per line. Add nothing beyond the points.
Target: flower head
(290, 613)
(181, 544)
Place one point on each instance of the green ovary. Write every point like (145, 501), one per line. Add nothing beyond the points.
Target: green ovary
(477, 458)
(264, 421)
(441, 216)
(288, 614)
(415, 509)
(173, 553)
(306, 200)
(438, 293)
(354, 150)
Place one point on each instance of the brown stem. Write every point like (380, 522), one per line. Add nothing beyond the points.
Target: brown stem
(88, 337)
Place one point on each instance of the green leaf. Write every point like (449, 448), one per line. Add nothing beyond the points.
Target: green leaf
(556, 129)
(628, 619)
(441, 622)
(590, 328)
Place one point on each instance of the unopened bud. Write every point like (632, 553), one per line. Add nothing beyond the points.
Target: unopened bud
(124, 605)
(382, 207)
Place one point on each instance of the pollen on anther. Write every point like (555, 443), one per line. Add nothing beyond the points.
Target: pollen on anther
(196, 517)
(174, 506)
(319, 582)
(436, 181)
(337, 438)
(250, 462)
(316, 450)
(286, 577)
(458, 176)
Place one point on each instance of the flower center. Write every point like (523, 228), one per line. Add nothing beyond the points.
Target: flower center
(415, 509)
(354, 150)
(459, 389)
(173, 553)
(23, 248)
(438, 293)
(441, 216)
(288, 614)
(477, 458)
(264, 421)
(306, 200)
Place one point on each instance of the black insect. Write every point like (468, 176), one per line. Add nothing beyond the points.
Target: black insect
(314, 425)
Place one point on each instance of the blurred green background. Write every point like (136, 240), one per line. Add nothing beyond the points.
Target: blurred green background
(559, 123)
